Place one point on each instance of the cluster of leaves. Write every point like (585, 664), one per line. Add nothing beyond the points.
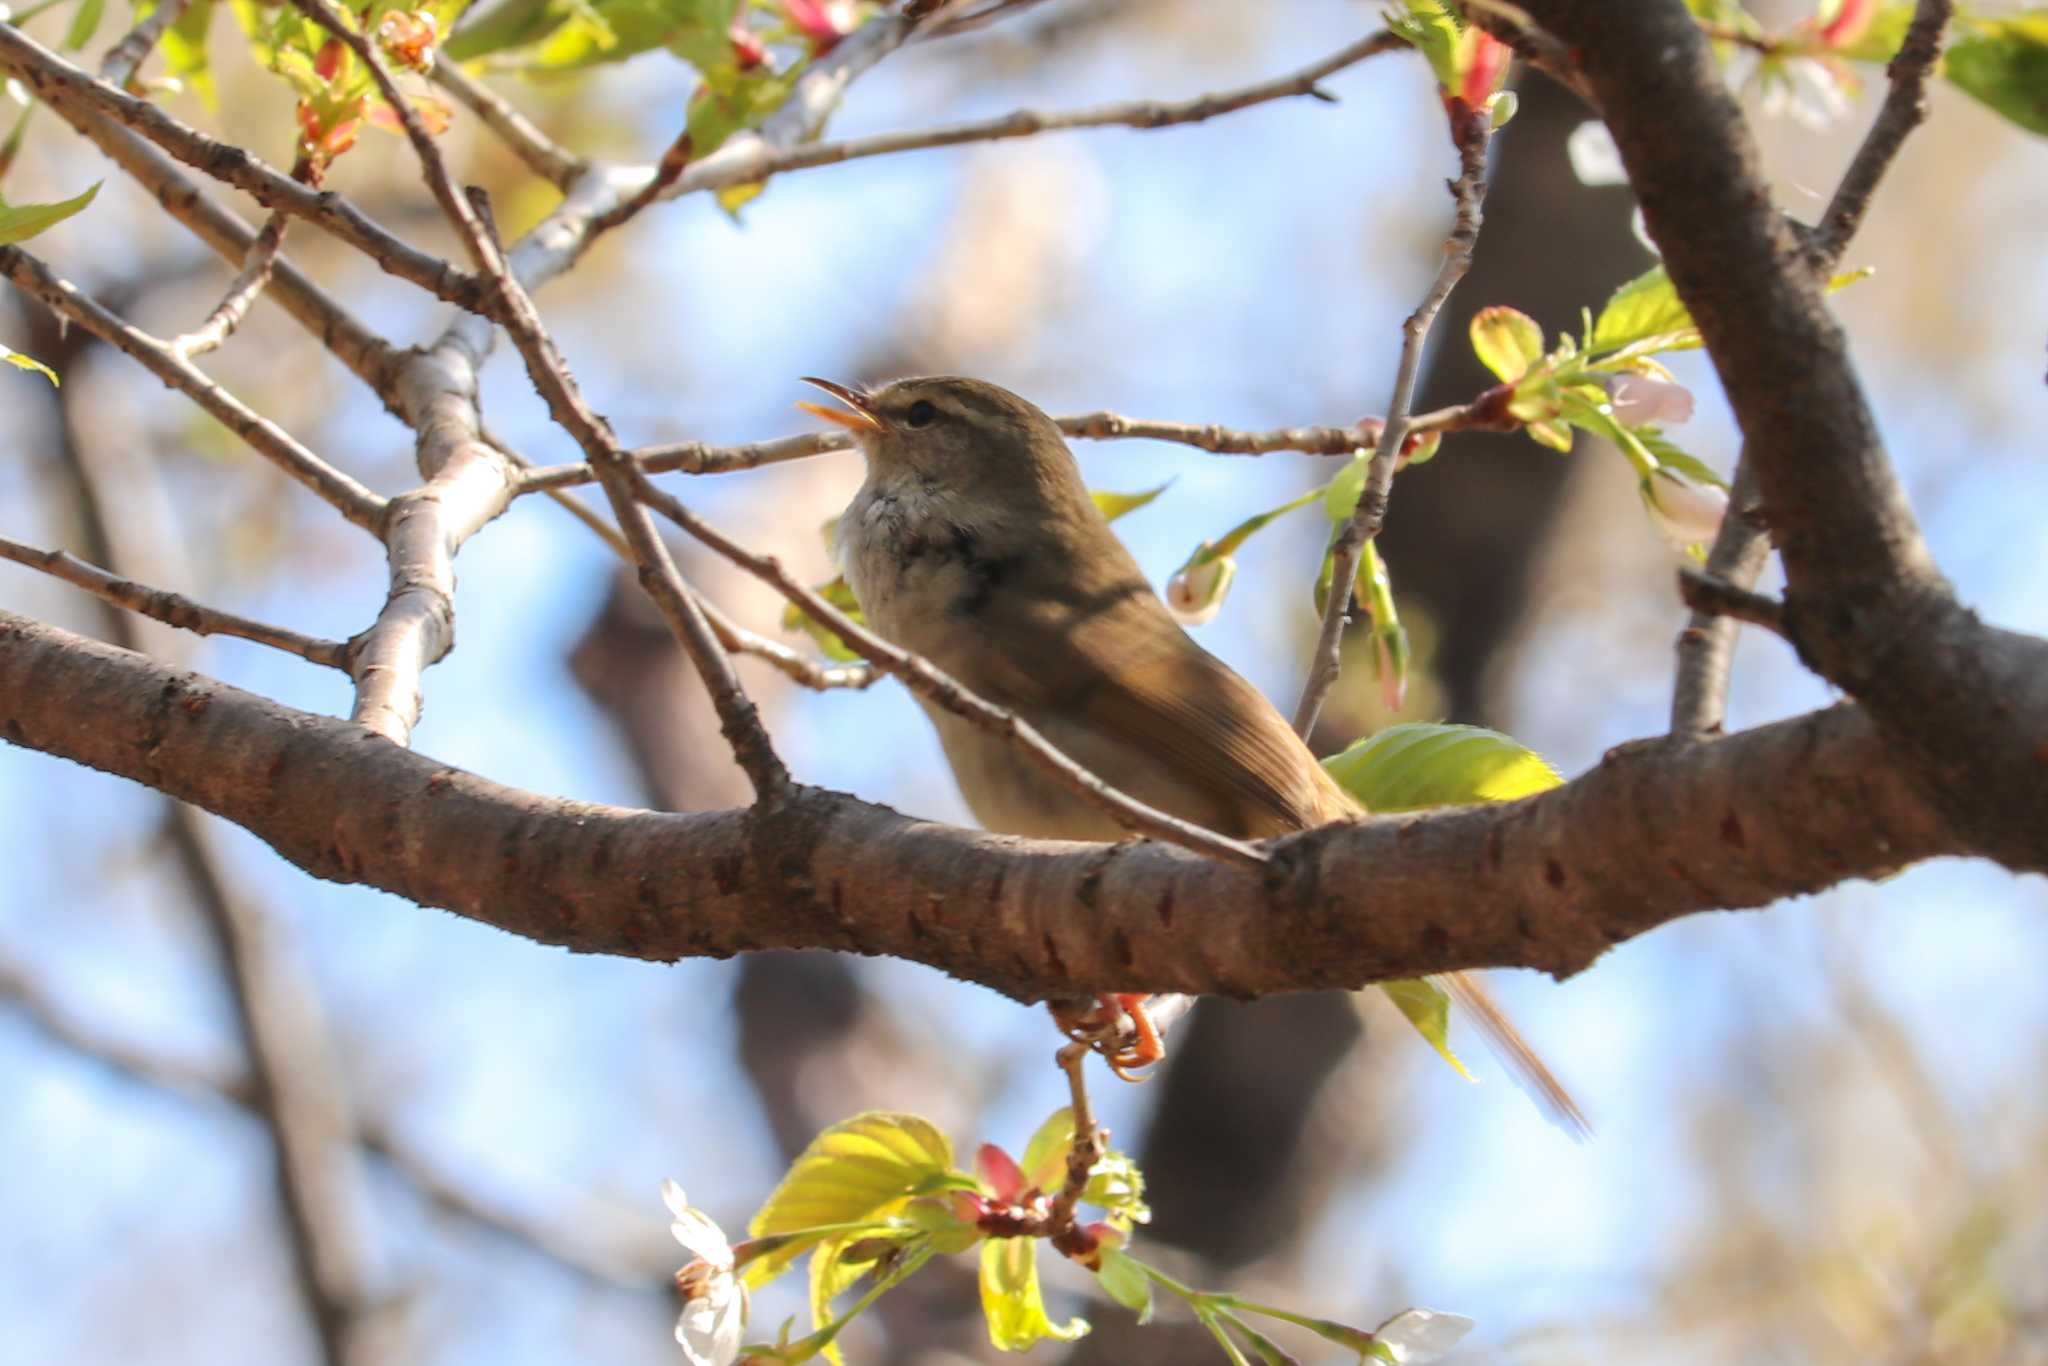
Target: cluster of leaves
(337, 94)
(873, 1199)
(1999, 59)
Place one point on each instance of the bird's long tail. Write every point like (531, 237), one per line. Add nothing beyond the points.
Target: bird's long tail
(1511, 1048)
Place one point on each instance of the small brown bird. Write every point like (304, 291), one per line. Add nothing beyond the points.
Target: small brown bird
(975, 543)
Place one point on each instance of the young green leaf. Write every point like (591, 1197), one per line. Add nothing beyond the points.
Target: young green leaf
(21, 362)
(184, 49)
(867, 1167)
(2004, 63)
(1113, 505)
(1422, 764)
(1434, 31)
(1123, 1279)
(1507, 341)
(1647, 306)
(1045, 1155)
(84, 24)
(19, 222)
(1011, 1301)
(1424, 1005)
(840, 594)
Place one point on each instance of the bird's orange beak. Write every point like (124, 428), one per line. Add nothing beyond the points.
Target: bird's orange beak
(856, 417)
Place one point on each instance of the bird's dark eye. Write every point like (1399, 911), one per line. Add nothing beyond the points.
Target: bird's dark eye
(920, 414)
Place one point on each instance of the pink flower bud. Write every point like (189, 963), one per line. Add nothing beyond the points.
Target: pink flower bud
(1000, 1173)
(1685, 513)
(1638, 400)
(1196, 591)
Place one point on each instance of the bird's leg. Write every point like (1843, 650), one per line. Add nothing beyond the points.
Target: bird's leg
(1102, 1026)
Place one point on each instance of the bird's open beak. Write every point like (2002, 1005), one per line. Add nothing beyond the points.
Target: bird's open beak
(856, 417)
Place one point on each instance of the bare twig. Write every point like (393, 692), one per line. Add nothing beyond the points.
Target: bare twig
(59, 83)
(358, 504)
(201, 1080)
(118, 67)
(1087, 1149)
(739, 719)
(1471, 129)
(720, 172)
(696, 457)
(173, 609)
(542, 155)
(736, 639)
(666, 172)
(1905, 108)
(1706, 647)
(1718, 597)
(362, 351)
(932, 684)
(297, 1091)
(241, 294)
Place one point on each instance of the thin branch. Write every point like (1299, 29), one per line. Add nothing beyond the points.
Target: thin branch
(1905, 108)
(173, 609)
(1706, 647)
(243, 290)
(717, 172)
(739, 720)
(200, 1080)
(1471, 129)
(697, 457)
(59, 83)
(666, 172)
(369, 356)
(1719, 598)
(735, 638)
(356, 503)
(542, 155)
(118, 67)
(1087, 1149)
(933, 685)
(297, 1091)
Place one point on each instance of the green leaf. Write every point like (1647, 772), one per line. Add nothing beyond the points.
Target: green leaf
(1421, 764)
(1555, 435)
(1507, 341)
(1010, 1298)
(21, 362)
(1425, 1006)
(866, 1167)
(731, 101)
(1647, 306)
(1691, 466)
(184, 49)
(1434, 31)
(1114, 505)
(2004, 63)
(1269, 1352)
(1124, 1280)
(839, 594)
(1116, 1186)
(84, 24)
(513, 23)
(1045, 1156)
(1886, 34)
(19, 222)
(1341, 494)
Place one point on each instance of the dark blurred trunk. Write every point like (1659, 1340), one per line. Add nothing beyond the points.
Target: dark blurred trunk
(1233, 1170)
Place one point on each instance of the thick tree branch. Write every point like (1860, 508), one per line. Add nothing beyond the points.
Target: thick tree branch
(1655, 831)
(1865, 604)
